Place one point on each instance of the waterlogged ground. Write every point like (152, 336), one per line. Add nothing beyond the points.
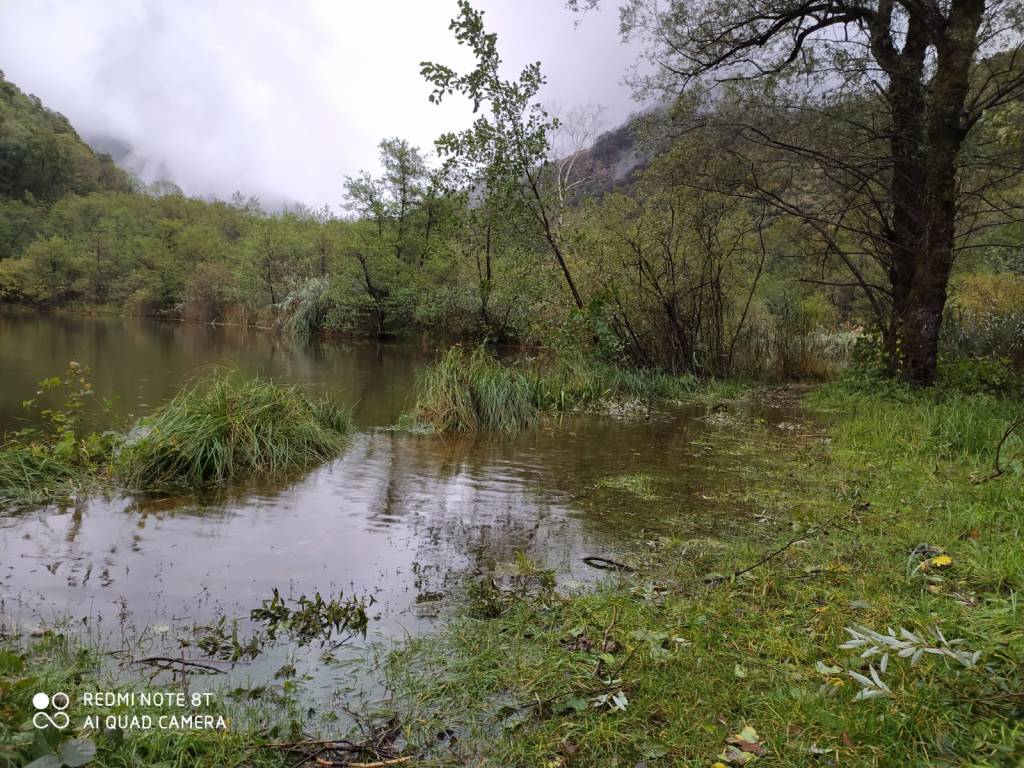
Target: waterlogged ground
(405, 518)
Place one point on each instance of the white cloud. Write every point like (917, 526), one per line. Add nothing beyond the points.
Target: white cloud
(283, 99)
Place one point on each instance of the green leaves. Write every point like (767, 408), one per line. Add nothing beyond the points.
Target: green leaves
(77, 752)
(511, 137)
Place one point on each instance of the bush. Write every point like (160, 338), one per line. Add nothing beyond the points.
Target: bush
(227, 426)
(994, 375)
(307, 307)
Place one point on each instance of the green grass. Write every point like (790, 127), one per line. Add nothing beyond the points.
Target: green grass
(468, 392)
(33, 473)
(640, 485)
(228, 426)
(575, 381)
(474, 391)
(700, 657)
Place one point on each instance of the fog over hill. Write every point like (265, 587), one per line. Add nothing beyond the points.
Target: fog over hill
(282, 101)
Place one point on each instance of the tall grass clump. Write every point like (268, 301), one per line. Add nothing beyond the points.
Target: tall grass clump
(35, 474)
(576, 381)
(472, 392)
(227, 426)
(307, 308)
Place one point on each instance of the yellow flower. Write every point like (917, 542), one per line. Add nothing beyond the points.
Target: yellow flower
(940, 561)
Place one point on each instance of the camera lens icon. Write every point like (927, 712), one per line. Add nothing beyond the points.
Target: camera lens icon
(42, 702)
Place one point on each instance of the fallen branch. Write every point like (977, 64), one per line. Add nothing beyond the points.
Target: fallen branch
(813, 532)
(998, 469)
(381, 763)
(165, 662)
(607, 564)
(340, 744)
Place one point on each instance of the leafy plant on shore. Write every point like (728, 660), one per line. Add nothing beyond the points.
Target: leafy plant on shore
(58, 455)
(227, 426)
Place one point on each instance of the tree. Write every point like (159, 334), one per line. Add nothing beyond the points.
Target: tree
(404, 173)
(508, 146)
(898, 89)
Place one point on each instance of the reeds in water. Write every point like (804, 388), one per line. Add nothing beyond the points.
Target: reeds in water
(227, 426)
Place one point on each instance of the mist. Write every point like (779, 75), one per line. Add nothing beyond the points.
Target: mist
(279, 100)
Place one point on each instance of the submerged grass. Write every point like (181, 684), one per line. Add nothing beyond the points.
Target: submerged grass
(640, 485)
(228, 426)
(34, 474)
(668, 666)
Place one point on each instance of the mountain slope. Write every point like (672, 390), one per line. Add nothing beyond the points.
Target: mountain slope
(42, 156)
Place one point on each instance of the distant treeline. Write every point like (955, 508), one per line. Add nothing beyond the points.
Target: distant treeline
(619, 249)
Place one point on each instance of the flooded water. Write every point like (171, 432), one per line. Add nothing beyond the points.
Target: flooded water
(406, 518)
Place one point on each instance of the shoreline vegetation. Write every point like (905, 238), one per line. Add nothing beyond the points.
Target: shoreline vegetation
(863, 239)
(871, 617)
(222, 426)
(473, 390)
(226, 426)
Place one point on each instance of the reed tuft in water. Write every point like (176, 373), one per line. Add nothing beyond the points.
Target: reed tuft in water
(475, 392)
(35, 474)
(227, 426)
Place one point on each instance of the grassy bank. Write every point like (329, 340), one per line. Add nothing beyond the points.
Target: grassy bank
(220, 427)
(469, 391)
(702, 656)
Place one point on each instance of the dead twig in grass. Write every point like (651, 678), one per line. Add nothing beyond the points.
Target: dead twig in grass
(167, 663)
(607, 564)
(998, 470)
(813, 532)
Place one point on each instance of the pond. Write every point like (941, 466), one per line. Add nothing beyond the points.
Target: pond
(405, 518)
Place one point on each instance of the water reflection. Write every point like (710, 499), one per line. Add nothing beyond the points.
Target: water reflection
(144, 362)
(399, 516)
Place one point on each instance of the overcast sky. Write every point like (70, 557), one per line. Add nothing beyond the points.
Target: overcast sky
(282, 99)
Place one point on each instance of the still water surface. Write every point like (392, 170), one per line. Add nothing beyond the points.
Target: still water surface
(404, 517)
